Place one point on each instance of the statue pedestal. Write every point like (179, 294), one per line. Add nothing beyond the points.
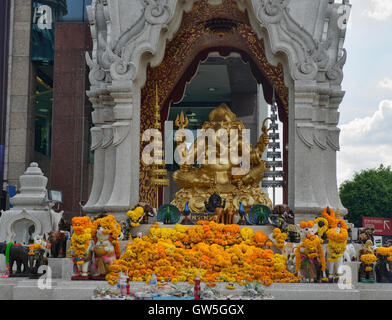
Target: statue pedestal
(61, 268)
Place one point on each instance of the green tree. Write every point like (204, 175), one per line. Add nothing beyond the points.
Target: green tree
(368, 194)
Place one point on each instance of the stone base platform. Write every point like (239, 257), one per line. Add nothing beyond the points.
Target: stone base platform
(23, 289)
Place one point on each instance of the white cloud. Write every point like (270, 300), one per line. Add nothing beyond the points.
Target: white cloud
(386, 83)
(379, 10)
(366, 142)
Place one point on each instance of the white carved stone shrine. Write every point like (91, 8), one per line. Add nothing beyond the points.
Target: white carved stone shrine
(305, 36)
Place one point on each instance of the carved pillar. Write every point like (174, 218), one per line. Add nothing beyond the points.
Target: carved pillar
(320, 146)
(109, 152)
(126, 140)
(333, 146)
(96, 146)
(304, 161)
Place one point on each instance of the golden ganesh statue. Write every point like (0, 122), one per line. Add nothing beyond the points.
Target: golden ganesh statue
(236, 172)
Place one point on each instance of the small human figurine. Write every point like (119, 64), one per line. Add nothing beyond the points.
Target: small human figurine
(309, 254)
(81, 252)
(367, 259)
(106, 233)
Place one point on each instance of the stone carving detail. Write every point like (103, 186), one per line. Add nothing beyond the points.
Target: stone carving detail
(320, 139)
(320, 55)
(120, 132)
(96, 138)
(335, 72)
(157, 11)
(98, 27)
(333, 140)
(275, 14)
(305, 133)
(272, 10)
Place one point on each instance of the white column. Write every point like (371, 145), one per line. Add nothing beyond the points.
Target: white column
(109, 153)
(99, 153)
(305, 164)
(126, 140)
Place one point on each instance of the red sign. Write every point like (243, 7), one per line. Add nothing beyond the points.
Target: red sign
(382, 226)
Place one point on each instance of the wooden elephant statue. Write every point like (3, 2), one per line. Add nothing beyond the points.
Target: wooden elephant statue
(220, 215)
(229, 216)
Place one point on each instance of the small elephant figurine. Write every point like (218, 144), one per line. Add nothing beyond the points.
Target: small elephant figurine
(36, 259)
(18, 254)
(220, 215)
(229, 216)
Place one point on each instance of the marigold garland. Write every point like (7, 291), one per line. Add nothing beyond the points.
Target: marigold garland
(385, 251)
(342, 236)
(79, 245)
(313, 249)
(308, 224)
(324, 228)
(368, 258)
(217, 252)
(333, 222)
(280, 237)
(329, 215)
(135, 216)
(33, 248)
(80, 224)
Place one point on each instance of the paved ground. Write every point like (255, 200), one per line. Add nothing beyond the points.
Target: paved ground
(26, 289)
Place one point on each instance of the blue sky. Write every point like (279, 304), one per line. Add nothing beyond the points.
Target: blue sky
(366, 110)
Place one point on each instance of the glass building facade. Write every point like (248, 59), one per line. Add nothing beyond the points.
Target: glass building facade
(45, 14)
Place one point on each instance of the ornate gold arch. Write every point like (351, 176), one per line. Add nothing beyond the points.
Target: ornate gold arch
(192, 43)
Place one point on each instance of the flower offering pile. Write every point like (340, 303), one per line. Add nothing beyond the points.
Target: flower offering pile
(217, 252)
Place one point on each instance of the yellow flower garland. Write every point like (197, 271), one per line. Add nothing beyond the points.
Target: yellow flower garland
(280, 238)
(337, 243)
(368, 258)
(135, 215)
(324, 228)
(80, 244)
(385, 251)
(313, 249)
(80, 224)
(33, 248)
(218, 252)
